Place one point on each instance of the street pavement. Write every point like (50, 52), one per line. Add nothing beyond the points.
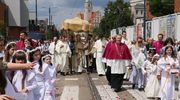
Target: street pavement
(79, 87)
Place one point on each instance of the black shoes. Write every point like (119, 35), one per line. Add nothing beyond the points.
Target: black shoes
(63, 73)
(101, 75)
(79, 73)
(117, 90)
(141, 89)
(133, 86)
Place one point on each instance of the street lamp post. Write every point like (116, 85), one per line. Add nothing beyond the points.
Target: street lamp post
(49, 26)
(36, 11)
(144, 23)
(49, 15)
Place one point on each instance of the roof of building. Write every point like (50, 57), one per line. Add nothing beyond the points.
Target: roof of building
(139, 6)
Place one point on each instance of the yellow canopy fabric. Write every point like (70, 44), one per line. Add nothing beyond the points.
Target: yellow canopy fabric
(76, 24)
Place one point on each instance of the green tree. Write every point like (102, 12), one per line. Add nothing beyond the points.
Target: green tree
(161, 7)
(97, 30)
(117, 14)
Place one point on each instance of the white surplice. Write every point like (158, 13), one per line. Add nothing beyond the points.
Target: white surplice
(58, 56)
(30, 84)
(64, 52)
(54, 53)
(167, 80)
(99, 46)
(119, 66)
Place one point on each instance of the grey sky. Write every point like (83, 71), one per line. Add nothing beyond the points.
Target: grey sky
(62, 9)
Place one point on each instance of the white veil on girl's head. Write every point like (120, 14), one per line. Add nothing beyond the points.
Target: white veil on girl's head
(44, 57)
(10, 43)
(19, 51)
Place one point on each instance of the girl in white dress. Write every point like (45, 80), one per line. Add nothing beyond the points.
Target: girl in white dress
(169, 67)
(41, 71)
(153, 84)
(50, 89)
(147, 65)
(23, 80)
(9, 51)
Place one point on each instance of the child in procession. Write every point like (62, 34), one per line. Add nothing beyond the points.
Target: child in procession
(9, 51)
(23, 81)
(153, 84)
(50, 89)
(42, 73)
(169, 67)
(147, 65)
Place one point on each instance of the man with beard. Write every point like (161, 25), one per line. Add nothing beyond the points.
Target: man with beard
(20, 44)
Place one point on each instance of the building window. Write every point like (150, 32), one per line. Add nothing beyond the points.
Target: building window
(136, 12)
(141, 12)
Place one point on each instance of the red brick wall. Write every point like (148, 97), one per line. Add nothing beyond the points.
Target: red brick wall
(176, 6)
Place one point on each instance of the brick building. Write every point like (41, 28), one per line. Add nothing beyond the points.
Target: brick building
(94, 18)
(176, 6)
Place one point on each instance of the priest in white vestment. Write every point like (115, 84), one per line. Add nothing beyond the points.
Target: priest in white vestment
(99, 46)
(128, 43)
(58, 58)
(64, 52)
(52, 51)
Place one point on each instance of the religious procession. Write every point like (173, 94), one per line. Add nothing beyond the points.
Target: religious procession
(30, 68)
(89, 50)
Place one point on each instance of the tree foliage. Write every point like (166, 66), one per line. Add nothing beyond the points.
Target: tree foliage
(97, 30)
(117, 14)
(161, 7)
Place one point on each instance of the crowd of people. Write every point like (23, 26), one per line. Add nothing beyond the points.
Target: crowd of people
(28, 67)
(27, 72)
(151, 66)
